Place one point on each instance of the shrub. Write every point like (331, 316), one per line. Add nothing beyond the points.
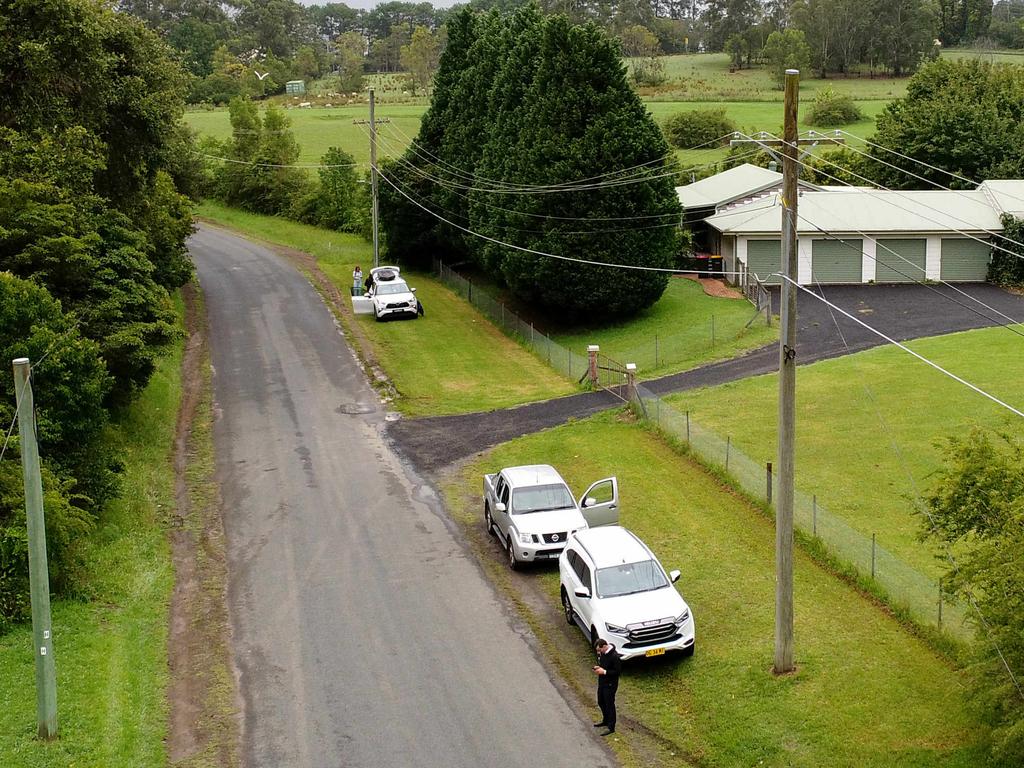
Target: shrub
(697, 127)
(833, 108)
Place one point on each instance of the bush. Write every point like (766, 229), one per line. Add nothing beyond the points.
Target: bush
(698, 127)
(833, 108)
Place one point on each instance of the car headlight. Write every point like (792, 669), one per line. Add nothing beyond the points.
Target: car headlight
(616, 630)
(526, 538)
(681, 618)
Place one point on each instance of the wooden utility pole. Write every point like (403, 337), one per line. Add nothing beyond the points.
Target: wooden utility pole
(373, 175)
(39, 580)
(787, 384)
(790, 148)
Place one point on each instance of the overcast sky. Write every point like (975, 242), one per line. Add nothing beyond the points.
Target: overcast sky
(368, 4)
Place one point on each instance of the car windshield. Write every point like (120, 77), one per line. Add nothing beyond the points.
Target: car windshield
(541, 497)
(630, 578)
(391, 288)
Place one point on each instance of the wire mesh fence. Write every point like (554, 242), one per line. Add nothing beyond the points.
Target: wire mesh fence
(906, 586)
(562, 359)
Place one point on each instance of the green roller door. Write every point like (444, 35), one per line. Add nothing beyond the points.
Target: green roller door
(763, 258)
(964, 260)
(891, 268)
(837, 261)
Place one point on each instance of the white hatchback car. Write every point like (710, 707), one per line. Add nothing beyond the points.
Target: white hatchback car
(613, 586)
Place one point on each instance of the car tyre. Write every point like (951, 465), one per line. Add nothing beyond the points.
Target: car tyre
(377, 316)
(488, 521)
(570, 614)
(593, 636)
(688, 652)
(513, 563)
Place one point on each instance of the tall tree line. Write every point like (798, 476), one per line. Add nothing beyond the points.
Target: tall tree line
(523, 101)
(92, 241)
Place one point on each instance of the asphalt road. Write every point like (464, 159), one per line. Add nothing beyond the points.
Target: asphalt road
(363, 633)
(900, 311)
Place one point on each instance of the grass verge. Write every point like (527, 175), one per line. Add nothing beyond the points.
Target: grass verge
(866, 692)
(869, 426)
(453, 360)
(685, 328)
(110, 645)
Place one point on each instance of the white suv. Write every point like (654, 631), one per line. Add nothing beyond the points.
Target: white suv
(613, 587)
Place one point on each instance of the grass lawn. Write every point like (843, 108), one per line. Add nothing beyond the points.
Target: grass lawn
(110, 646)
(453, 360)
(319, 129)
(706, 77)
(866, 693)
(676, 333)
(867, 425)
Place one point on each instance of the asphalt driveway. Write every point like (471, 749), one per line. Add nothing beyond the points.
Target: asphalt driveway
(902, 312)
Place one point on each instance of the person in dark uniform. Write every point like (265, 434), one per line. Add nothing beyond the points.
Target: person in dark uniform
(607, 669)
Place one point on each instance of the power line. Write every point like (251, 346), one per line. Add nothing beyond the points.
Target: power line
(901, 257)
(545, 254)
(917, 213)
(422, 152)
(935, 184)
(905, 348)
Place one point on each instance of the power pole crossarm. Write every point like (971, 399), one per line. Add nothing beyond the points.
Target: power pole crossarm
(39, 580)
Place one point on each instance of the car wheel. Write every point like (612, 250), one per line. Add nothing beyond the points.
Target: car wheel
(570, 614)
(376, 316)
(688, 652)
(593, 637)
(487, 520)
(513, 563)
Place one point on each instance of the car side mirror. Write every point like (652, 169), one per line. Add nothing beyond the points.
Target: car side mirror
(499, 507)
(674, 575)
(413, 290)
(582, 592)
(589, 501)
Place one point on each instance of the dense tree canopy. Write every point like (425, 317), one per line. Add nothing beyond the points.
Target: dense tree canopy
(975, 507)
(961, 116)
(92, 231)
(523, 102)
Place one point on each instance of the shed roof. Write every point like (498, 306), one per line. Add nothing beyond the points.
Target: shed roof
(1007, 195)
(870, 211)
(728, 185)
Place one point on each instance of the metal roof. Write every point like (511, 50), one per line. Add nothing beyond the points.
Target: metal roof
(728, 185)
(1007, 195)
(868, 210)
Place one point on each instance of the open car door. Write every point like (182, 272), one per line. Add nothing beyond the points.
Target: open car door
(600, 504)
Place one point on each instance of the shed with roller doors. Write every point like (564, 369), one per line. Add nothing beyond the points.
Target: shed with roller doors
(837, 261)
(965, 260)
(851, 235)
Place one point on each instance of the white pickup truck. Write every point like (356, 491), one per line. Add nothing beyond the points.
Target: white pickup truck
(533, 512)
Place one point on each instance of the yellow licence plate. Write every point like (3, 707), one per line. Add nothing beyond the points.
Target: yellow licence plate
(655, 652)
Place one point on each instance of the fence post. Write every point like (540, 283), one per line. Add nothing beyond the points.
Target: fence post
(687, 428)
(531, 335)
(470, 283)
(568, 354)
(549, 349)
(712, 332)
(769, 477)
(940, 603)
(592, 351)
(631, 382)
(872, 555)
(814, 514)
(502, 315)
(728, 443)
